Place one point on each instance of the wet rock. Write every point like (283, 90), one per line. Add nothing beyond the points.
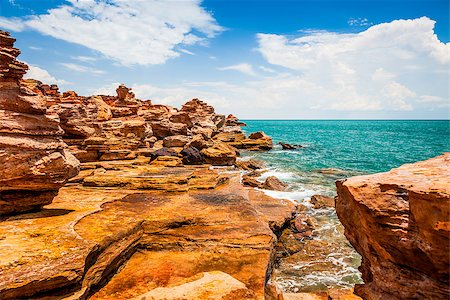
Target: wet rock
(320, 201)
(272, 292)
(303, 224)
(286, 146)
(249, 164)
(192, 156)
(251, 181)
(273, 183)
(257, 135)
(289, 243)
(256, 173)
(398, 221)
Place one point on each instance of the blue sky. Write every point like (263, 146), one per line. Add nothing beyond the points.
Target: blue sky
(256, 59)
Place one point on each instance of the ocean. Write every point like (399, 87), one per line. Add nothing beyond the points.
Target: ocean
(334, 149)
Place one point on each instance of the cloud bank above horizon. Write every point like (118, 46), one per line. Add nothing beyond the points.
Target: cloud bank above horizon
(396, 69)
(129, 32)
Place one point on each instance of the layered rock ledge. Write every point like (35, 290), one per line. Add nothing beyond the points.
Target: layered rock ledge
(399, 221)
(34, 159)
(75, 246)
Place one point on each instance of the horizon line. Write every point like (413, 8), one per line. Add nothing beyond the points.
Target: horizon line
(245, 119)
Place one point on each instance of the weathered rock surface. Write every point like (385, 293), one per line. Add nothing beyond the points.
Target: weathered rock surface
(220, 154)
(320, 201)
(273, 183)
(210, 285)
(249, 164)
(399, 221)
(147, 216)
(74, 245)
(33, 158)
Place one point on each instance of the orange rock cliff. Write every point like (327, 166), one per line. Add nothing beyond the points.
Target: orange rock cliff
(399, 221)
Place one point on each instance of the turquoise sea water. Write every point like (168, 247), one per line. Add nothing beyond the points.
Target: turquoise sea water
(333, 150)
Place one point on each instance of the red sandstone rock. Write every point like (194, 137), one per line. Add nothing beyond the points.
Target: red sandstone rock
(320, 201)
(273, 183)
(398, 221)
(220, 154)
(33, 158)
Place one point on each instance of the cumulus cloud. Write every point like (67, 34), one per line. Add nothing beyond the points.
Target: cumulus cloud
(243, 68)
(130, 32)
(391, 70)
(13, 24)
(35, 72)
(389, 66)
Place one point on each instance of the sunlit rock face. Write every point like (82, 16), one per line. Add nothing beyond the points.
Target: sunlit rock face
(33, 158)
(399, 222)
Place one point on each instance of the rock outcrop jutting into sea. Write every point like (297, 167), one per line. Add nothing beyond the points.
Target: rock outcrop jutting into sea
(146, 215)
(33, 157)
(399, 221)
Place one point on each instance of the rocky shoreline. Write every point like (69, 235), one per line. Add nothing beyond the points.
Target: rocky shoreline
(113, 197)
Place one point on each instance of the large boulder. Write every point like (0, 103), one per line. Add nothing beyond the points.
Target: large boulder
(399, 221)
(256, 141)
(275, 184)
(176, 141)
(220, 154)
(34, 159)
(320, 201)
(192, 156)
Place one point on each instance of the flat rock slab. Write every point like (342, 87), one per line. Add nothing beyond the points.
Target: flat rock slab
(150, 177)
(74, 245)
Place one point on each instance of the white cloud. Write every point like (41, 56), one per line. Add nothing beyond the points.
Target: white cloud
(13, 24)
(34, 72)
(243, 68)
(267, 69)
(186, 51)
(35, 48)
(333, 75)
(359, 22)
(84, 58)
(83, 69)
(388, 67)
(130, 32)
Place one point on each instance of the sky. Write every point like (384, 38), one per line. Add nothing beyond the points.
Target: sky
(265, 59)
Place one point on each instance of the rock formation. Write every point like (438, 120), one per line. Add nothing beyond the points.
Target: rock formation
(286, 146)
(34, 159)
(399, 221)
(147, 216)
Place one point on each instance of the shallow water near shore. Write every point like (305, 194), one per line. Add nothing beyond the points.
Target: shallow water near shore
(333, 150)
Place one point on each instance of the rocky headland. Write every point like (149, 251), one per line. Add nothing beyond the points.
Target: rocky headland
(399, 221)
(113, 197)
